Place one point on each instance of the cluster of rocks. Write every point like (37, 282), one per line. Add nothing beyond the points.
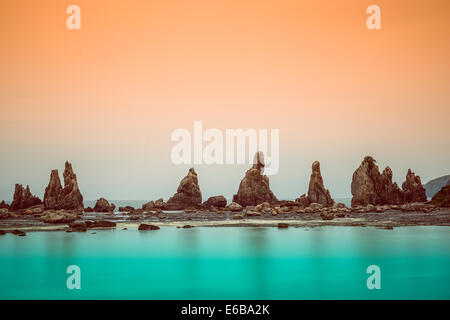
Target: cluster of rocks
(369, 186)
(68, 197)
(60, 216)
(23, 199)
(287, 207)
(442, 198)
(83, 226)
(19, 233)
(372, 192)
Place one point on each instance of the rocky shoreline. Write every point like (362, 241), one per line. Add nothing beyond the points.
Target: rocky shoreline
(380, 217)
(377, 202)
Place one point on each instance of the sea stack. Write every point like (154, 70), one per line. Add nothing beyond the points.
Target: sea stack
(102, 205)
(188, 193)
(389, 192)
(3, 205)
(364, 182)
(254, 188)
(23, 198)
(317, 192)
(371, 187)
(67, 198)
(413, 189)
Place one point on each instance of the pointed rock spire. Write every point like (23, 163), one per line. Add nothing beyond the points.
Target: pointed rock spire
(188, 193)
(69, 197)
(317, 192)
(254, 188)
(23, 198)
(413, 189)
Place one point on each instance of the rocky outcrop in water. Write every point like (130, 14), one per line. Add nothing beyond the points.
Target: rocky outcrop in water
(302, 201)
(67, 198)
(59, 217)
(3, 205)
(389, 192)
(371, 187)
(442, 198)
(364, 183)
(216, 201)
(188, 193)
(317, 192)
(148, 206)
(413, 189)
(147, 227)
(254, 188)
(102, 205)
(23, 198)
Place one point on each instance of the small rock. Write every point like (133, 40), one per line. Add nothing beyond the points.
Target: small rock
(216, 201)
(234, 207)
(19, 233)
(145, 227)
(102, 205)
(260, 207)
(102, 224)
(126, 209)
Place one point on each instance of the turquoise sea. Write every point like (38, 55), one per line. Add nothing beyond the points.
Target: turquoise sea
(228, 263)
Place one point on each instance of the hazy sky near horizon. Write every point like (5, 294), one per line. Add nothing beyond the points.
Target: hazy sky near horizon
(107, 97)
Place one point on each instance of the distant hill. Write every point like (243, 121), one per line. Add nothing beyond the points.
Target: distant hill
(434, 186)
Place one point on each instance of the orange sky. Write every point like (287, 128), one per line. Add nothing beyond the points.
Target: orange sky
(108, 96)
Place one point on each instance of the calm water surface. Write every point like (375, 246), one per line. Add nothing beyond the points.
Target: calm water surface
(228, 263)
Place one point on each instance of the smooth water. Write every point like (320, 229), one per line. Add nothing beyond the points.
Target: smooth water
(228, 263)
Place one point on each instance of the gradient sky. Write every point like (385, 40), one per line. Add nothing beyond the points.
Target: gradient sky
(107, 97)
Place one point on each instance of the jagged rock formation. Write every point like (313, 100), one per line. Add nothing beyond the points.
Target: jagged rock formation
(67, 198)
(3, 205)
(317, 192)
(302, 201)
(53, 191)
(413, 189)
(23, 198)
(371, 187)
(188, 193)
(364, 183)
(216, 201)
(102, 205)
(389, 192)
(434, 186)
(442, 198)
(254, 188)
(148, 206)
